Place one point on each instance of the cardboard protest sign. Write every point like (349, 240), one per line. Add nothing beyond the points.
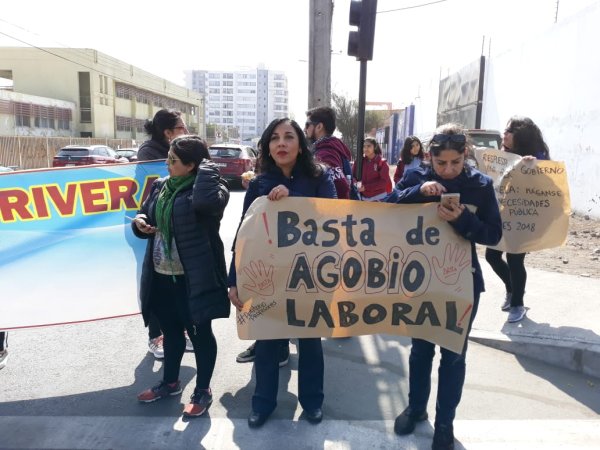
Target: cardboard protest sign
(534, 200)
(311, 267)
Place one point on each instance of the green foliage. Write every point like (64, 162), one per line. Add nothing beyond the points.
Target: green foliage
(346, 111)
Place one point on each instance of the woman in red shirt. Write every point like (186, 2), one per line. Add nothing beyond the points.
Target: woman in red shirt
(376, 181)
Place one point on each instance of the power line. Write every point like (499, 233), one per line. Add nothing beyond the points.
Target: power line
(60, 44)
(411, 7)
(74, 62)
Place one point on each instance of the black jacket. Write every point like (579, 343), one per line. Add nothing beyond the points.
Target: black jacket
(151, 150)
(196, 219)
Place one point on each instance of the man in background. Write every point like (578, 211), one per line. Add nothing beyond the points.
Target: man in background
(329, 150)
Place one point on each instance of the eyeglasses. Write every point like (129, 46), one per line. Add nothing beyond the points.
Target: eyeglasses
(180, 127)
(443, 138)
(509, 130)
(171, 160)
(309, 123)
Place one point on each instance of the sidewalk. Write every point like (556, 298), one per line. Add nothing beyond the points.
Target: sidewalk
(562, 326)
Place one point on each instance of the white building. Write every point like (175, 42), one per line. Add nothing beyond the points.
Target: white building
(241, 103)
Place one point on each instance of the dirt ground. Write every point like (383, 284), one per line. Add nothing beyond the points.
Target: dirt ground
(579, 256)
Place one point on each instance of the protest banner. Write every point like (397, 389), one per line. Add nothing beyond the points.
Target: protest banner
(311, 267)
(534, 200)
(67, 252)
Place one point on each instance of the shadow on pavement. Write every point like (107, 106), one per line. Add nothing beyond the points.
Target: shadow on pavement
(111, 402)
(587, 392)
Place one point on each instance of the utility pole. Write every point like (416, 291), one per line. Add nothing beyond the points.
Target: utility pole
(360, 45)
(319, 53)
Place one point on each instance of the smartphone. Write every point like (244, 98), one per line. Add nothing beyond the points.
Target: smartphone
(450, 200)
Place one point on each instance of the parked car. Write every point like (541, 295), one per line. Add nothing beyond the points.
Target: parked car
(83, 155)
(485, 138)
(130, 154)
(233, 160)
(478, 138)
(6, 169)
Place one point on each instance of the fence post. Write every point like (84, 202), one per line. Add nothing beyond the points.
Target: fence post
(47, 153)
(19, 147)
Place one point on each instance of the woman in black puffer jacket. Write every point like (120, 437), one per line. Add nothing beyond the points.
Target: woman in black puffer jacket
(184, 280)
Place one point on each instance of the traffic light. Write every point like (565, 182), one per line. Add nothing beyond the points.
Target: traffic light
(360, 42)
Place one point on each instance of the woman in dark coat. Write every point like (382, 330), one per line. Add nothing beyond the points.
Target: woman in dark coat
(184, 280)
(287, 169)
(447, 173)
(521, 137)
(165, 126)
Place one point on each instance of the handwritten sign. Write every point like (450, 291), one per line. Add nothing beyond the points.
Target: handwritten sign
(534, 200)
(321, 267)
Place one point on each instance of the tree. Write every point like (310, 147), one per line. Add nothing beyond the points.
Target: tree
(375, 119)
(346, 111)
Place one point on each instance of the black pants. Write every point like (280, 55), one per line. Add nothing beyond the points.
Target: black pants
(154, 330)
(3, 340)
(512, 273)
(310, 374)
(169, 303)
(451, 376)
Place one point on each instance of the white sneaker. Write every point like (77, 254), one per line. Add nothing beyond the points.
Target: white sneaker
(516, 314)
(506, 305)
(3, 358)
(189, 347)
(155, 346)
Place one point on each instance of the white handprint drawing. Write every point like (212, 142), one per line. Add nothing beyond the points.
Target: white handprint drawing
(261, 278)
(448, 271)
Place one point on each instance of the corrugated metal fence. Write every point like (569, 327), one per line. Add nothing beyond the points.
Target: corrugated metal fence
(33, 152)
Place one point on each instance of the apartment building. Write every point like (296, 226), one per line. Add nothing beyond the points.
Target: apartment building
(85, 93)
(241, 103)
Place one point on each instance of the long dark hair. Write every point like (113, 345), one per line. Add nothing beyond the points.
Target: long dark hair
(405, 155)
(374, 143)
(527, 138)
(190, 148)
(305, 160)
(164, 119)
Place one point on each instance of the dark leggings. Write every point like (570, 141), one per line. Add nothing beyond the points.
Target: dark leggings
(512, 273)
(153, 326)
(169, 303)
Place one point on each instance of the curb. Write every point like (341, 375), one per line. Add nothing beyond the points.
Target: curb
(578, 356)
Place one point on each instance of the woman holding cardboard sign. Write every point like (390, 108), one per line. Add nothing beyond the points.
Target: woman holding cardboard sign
(448, 173)
(287, 169)
(521, 137)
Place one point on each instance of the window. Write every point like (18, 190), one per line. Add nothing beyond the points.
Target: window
(22, 114)
(85, 99)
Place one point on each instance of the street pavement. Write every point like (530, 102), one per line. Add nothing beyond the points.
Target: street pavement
(562, 325)
(74, 386)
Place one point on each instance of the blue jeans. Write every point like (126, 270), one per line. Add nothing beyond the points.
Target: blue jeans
(310, 374)
(451, 376)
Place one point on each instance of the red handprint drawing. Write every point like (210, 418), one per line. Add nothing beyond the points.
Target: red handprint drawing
(261, 278)
(454, 262)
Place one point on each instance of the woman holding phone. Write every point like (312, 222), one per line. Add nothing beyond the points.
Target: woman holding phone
(448, 173)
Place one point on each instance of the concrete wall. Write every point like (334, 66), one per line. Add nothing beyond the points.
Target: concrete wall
(555, 80)
(53, 73)
(7, 121)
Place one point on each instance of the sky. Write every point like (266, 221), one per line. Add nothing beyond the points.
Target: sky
(416, 41)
